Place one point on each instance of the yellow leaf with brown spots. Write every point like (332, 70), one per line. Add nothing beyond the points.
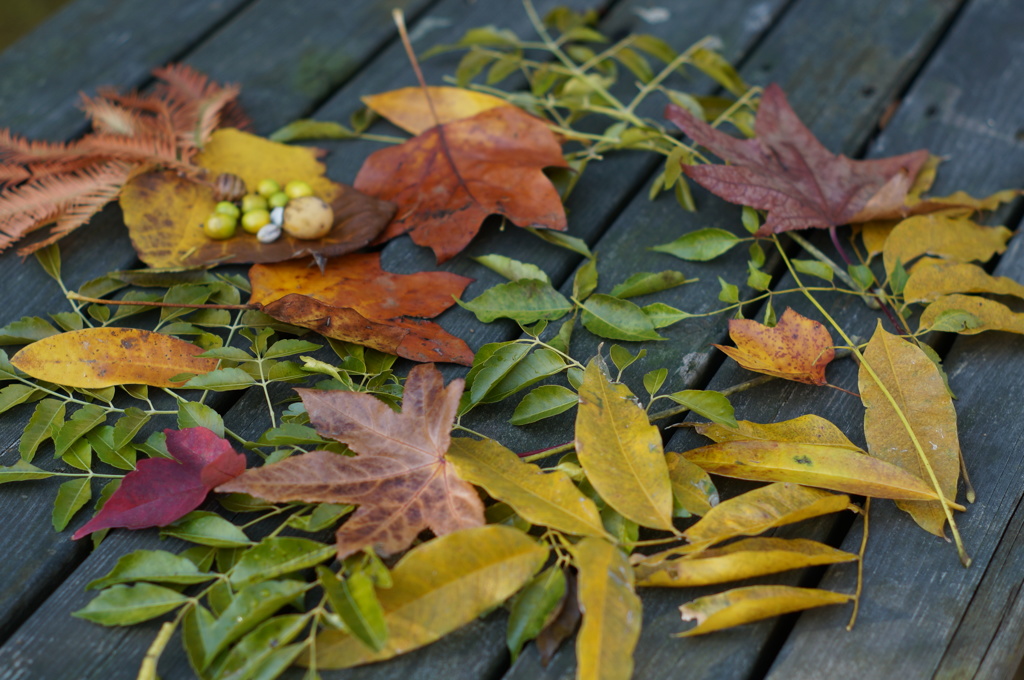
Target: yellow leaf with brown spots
(93, 358)
(797, 348)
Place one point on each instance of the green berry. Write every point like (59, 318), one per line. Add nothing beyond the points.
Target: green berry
(219, 226)
(252, 202)
(227, 208)
(267, 187)
(297, 188)
(278, 200)
(253, 220)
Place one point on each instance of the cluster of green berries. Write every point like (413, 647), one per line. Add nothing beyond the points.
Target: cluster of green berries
(254, 211)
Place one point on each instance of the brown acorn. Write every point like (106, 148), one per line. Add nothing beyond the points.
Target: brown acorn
(228, 187)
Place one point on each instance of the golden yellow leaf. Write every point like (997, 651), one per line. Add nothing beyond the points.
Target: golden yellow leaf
(745, 605)
(93, 358)
(931, 278)
(915, 384)
(546, 498)
(164, 212)
(874, 235)
(950, 235)
(961, 199)
(439, 586)
(807, 429)
(692, 488)
(986, 315)
(797, 348)
(611, 612)
(409, 109)
(761, 509)
(621, 451)
(828, 467)
(745, 558)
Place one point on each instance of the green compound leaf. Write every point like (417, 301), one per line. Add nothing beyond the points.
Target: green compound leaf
(544, 402)
(525, 301)
(700, 246)
(610, 317)
(124, 605)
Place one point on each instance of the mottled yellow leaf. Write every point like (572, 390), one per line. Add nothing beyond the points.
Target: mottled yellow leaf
(692, 488)
(745, 558)
(916, 386)
(611, 612)
(952, 236)
(797, 348)
(409, 109)
(808, 429)
(745, 605)
(439, 586)
(546, 498)
(931, 278)
(829, 467)
(986, 315)
(92, 358)
(620, 450)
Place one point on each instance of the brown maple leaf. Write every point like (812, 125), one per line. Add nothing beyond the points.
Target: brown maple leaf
(353, 299)
(400, 479)
(785, 170)
(449, 178)
(797, 348)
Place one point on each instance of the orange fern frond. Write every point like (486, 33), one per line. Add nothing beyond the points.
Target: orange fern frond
(12, 174)
(144, 149)
(21, 151)
(155, 115)
(110, 117)
(206, 118)
(183, 83)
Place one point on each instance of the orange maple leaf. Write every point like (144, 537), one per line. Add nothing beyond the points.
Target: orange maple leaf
(797, 348)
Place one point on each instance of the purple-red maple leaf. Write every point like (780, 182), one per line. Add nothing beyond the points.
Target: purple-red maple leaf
(161, 490)
(785, 170)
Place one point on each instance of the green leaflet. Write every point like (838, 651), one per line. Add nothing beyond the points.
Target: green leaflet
(610, 317)
(646, 283)
(195, 414)
(222, 380)
(712, 405)
(81, 421)
(354, 599)
(12, 395)
(263, 653)
(662, 315)
(22, 471)
(532, 605)
(123, 605)
(701, 245)
(525, 301)
(207, 528)
(584, 282)
(27, 329)
(72, 496)
(513, 270)
(278, 556)
(157, 566)
(544, 402)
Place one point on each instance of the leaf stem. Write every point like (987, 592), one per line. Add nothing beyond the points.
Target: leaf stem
(143, 303)
(860, 564)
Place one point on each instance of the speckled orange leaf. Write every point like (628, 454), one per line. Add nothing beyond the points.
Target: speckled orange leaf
(353, 299)
(93, 358)
(449, 178)
(409, 109)
(797, 348)
(164, 212)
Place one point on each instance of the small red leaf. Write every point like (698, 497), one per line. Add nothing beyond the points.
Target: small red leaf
(160, 491)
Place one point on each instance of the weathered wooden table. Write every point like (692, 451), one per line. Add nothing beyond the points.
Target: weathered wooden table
(951, 71)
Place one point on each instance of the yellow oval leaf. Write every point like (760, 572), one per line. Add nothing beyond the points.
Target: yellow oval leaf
(611, 612)
(764, 508)
(621, 451)
(746, 558)
(931, 278)
(829, 467)
(409, 109)
(546, 498)
(745, 605)
(954, 237)
(439, 586)
(100, 357)
(986, 315)
(914, 382)
(808, 429)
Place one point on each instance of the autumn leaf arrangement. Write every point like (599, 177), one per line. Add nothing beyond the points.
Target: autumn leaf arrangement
(432, 530)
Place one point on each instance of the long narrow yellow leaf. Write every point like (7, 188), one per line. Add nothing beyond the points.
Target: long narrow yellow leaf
(611, 612)
(931, 278)
(439, 586)
(745, 605)
(620, 450)
(808, 429)
(548, 499)
(988, 315)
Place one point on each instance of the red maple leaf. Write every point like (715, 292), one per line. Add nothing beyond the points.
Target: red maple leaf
(161, 490)
(785, 170)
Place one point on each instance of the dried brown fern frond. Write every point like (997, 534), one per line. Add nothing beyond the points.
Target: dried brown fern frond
(18, 150)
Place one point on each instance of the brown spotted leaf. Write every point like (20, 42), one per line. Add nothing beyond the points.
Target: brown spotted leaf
(797, 348)
(786, 171)
(401, 480)
(449, 178)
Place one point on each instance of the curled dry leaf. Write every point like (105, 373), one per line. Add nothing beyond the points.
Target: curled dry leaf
(93, 358)
(753, 603)
(163, 211)
(401, 480)
(797, 348)
(786, 171)
(409, 109)
(931, 278)
(449, 178)
(353, 299)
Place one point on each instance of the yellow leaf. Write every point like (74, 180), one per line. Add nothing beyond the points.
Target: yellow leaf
(409, 109)
(745, 605)
(874, 235)
(931, 278)
(439, 586)
(797, 348)
(829, 467)
(548, 499)
(164, 212)
(988, 315)
(952, 236)
(100, 357)
(620, 450)
(761, 509)
(746, 558)
(917, 388)
(961, 199)
(611, 612)
(808, 429)
(692, 489)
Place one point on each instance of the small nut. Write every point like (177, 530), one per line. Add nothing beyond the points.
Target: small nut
(277, 215)
(308, 217)
(269, 233)
(228, 187)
